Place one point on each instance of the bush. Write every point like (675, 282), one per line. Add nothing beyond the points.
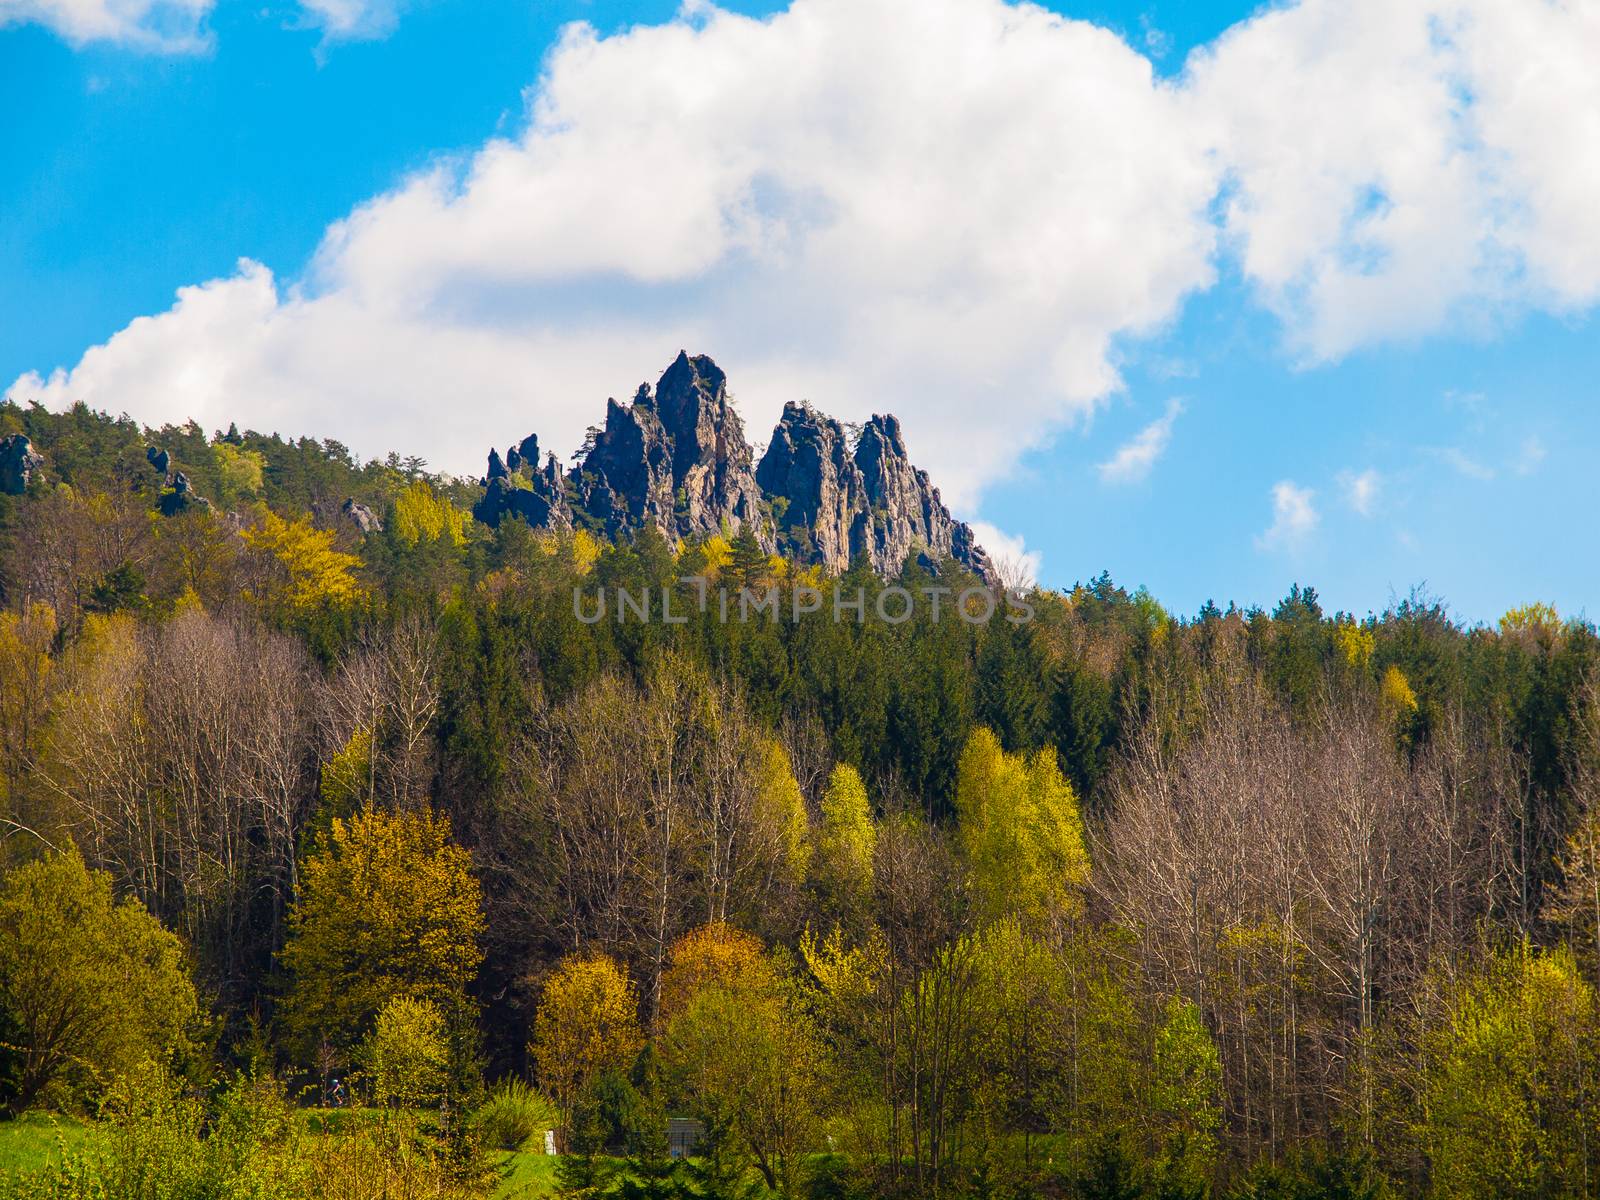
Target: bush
(512, 1113)
(407, 1054)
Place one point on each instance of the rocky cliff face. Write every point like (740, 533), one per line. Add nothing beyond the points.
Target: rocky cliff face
(677, 458)
(817, 488)
(840, 505)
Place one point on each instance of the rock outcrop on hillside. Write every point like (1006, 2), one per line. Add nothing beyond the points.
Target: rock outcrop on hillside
(676, 457)
(18, 462)
(362, 517)
(181, 497)
(538, 496)
(840, 505)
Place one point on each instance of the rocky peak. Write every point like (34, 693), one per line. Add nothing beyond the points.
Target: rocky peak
(905, 508)
(524, 454)
(627, 475)
(713, 482)
(540, 499)
(692, 401)
(677, 457)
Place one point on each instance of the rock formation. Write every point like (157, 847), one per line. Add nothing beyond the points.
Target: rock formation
(181, 498)
(18, 461)
(677, 458)
(539, 497)
(816, 488)
(362, 517)
(159, 459)
(838, 505)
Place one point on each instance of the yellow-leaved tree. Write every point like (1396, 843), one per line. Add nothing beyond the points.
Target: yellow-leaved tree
(306, 574)
(421, 516)
(587, 1023)
(745, 1054)
(1020, 830)
(712, 955)
(1355, 644)
(388, 907)
(1503, 1100)
(407, 1053)
(846, 842)
(93, 986)
(780, 813)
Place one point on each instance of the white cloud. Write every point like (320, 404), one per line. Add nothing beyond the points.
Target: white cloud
(1133, 460)
(244, 349)
(1294, 517)
(1361, 490)
(955, 227)
(952, 209)
(166, 25)
(352, 20)
(1018, 566)
(1398, 167)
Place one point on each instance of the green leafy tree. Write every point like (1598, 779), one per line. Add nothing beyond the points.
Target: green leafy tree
(746, 1057)
(1021, 831)
(1186, 1096)
(92, 986)
(238, 471)
(1511, 1078)
(846, 842)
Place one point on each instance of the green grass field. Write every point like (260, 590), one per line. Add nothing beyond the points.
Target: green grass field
(525, 1176)
(37, 1140)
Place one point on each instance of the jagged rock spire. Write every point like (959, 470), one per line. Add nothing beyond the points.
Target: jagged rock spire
(677, 457)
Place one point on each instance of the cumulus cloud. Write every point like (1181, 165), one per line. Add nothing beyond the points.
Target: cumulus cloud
(1394, 168)
(956, 226)
(1018, 566)
(1134, 458)
(1361, 490)
(243, 348)
(958, 210)
(164, 25)
(1294, 517)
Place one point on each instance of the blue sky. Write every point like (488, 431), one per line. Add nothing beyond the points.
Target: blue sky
(1110, 326)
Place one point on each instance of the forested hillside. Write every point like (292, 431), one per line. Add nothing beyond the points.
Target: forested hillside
(306, 774)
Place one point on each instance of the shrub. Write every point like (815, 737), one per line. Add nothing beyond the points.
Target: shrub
(407, 1054)
(511, 1114)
